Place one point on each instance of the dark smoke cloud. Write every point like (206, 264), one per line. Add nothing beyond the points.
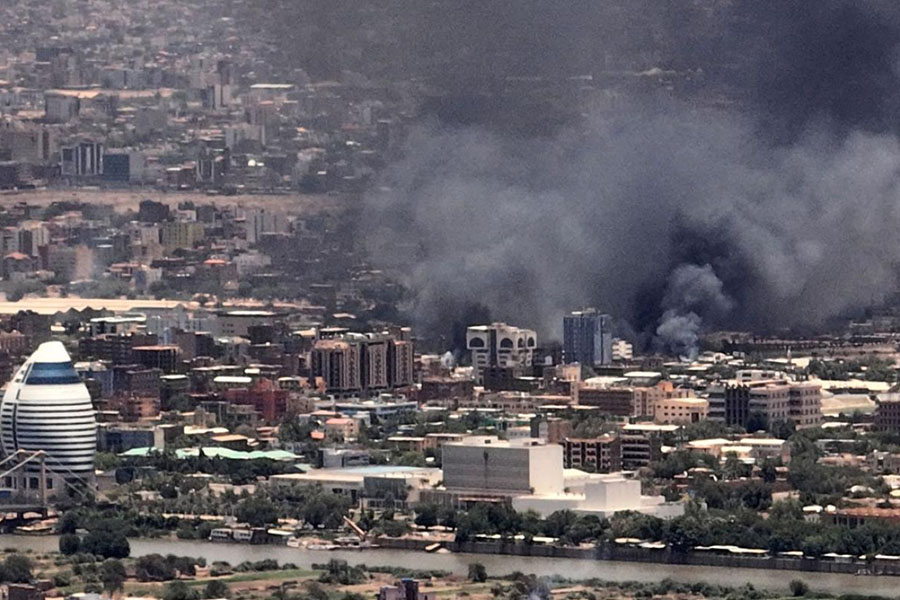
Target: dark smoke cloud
(692, 290)
(512, 204)
(778, 208)
(834, 61)
(790, 62)
(601, 215)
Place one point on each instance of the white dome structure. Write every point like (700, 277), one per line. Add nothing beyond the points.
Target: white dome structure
(47, 407)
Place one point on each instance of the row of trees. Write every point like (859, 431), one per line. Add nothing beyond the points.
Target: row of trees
(870, 368)
(238, 471)
(784, 529)
(106, 539)
(155, 567)
(316, 507)
(502, 519)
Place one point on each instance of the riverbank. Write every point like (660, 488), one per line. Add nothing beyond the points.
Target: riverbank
(190, 578)
(629, 553)
(496, 564)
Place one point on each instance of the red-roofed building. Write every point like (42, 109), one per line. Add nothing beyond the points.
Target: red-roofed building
(264, 395)
(216, 272)
(342, 429)
(16, 263)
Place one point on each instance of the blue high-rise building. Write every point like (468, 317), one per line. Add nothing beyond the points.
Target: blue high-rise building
(587, 337)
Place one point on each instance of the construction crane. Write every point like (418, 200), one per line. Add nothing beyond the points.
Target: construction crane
(356, 528)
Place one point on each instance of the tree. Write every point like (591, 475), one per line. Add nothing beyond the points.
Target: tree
(106, 543)
(314, 591)
(179, 590)
(426, 515)
(528, 587)
(106, 461)
(530, 522)
(767, 470)
(394, 528)
(559, 522)
(107, 539)
(636, 525)
(17, 568)
(757, 422)
(798, 587)
(755, 495)
(411, 459)
(676, 463)
(69, 522)
(783, 429)
(324, 509)
(585, 528)
(477, 573)
(153, 567)
(216, 589)
(113, 575)
(340, 572)
(734, 468)
(815, 546)
(69, 544)
(257, 511)
(685, 532)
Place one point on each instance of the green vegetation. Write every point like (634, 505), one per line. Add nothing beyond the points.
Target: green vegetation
(870, 368)
(341, 573)
(216, 589)
(477, 573)
(113, 575)
(179, 590)
(16, 290)
(16, 568)
(155, 567)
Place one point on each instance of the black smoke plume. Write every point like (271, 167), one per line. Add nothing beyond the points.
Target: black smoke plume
(751, 142)
(612, 213)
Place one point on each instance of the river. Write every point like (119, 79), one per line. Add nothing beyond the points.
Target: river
(495, 564)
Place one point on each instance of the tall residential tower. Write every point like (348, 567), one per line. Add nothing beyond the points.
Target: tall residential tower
(587, 338)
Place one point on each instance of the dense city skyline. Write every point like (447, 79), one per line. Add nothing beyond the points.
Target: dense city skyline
(331, 300)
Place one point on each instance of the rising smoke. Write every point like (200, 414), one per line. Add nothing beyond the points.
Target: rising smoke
(780, 209)
(658, 216)
(691, 291)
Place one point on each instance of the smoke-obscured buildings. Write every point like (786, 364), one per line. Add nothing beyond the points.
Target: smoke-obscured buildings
(587, 338)
(351, 364)
(500, 345)
(757, 404)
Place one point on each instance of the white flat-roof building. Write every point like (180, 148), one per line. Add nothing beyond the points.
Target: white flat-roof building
(529, 473)
(603, 495)
(487, 464)
(500, 345)
(749, 449)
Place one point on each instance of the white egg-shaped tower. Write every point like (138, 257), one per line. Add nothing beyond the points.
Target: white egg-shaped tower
(47, 407)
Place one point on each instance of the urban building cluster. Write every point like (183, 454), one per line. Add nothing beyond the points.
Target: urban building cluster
(177, 97)
(195, 340)
(514, 426)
